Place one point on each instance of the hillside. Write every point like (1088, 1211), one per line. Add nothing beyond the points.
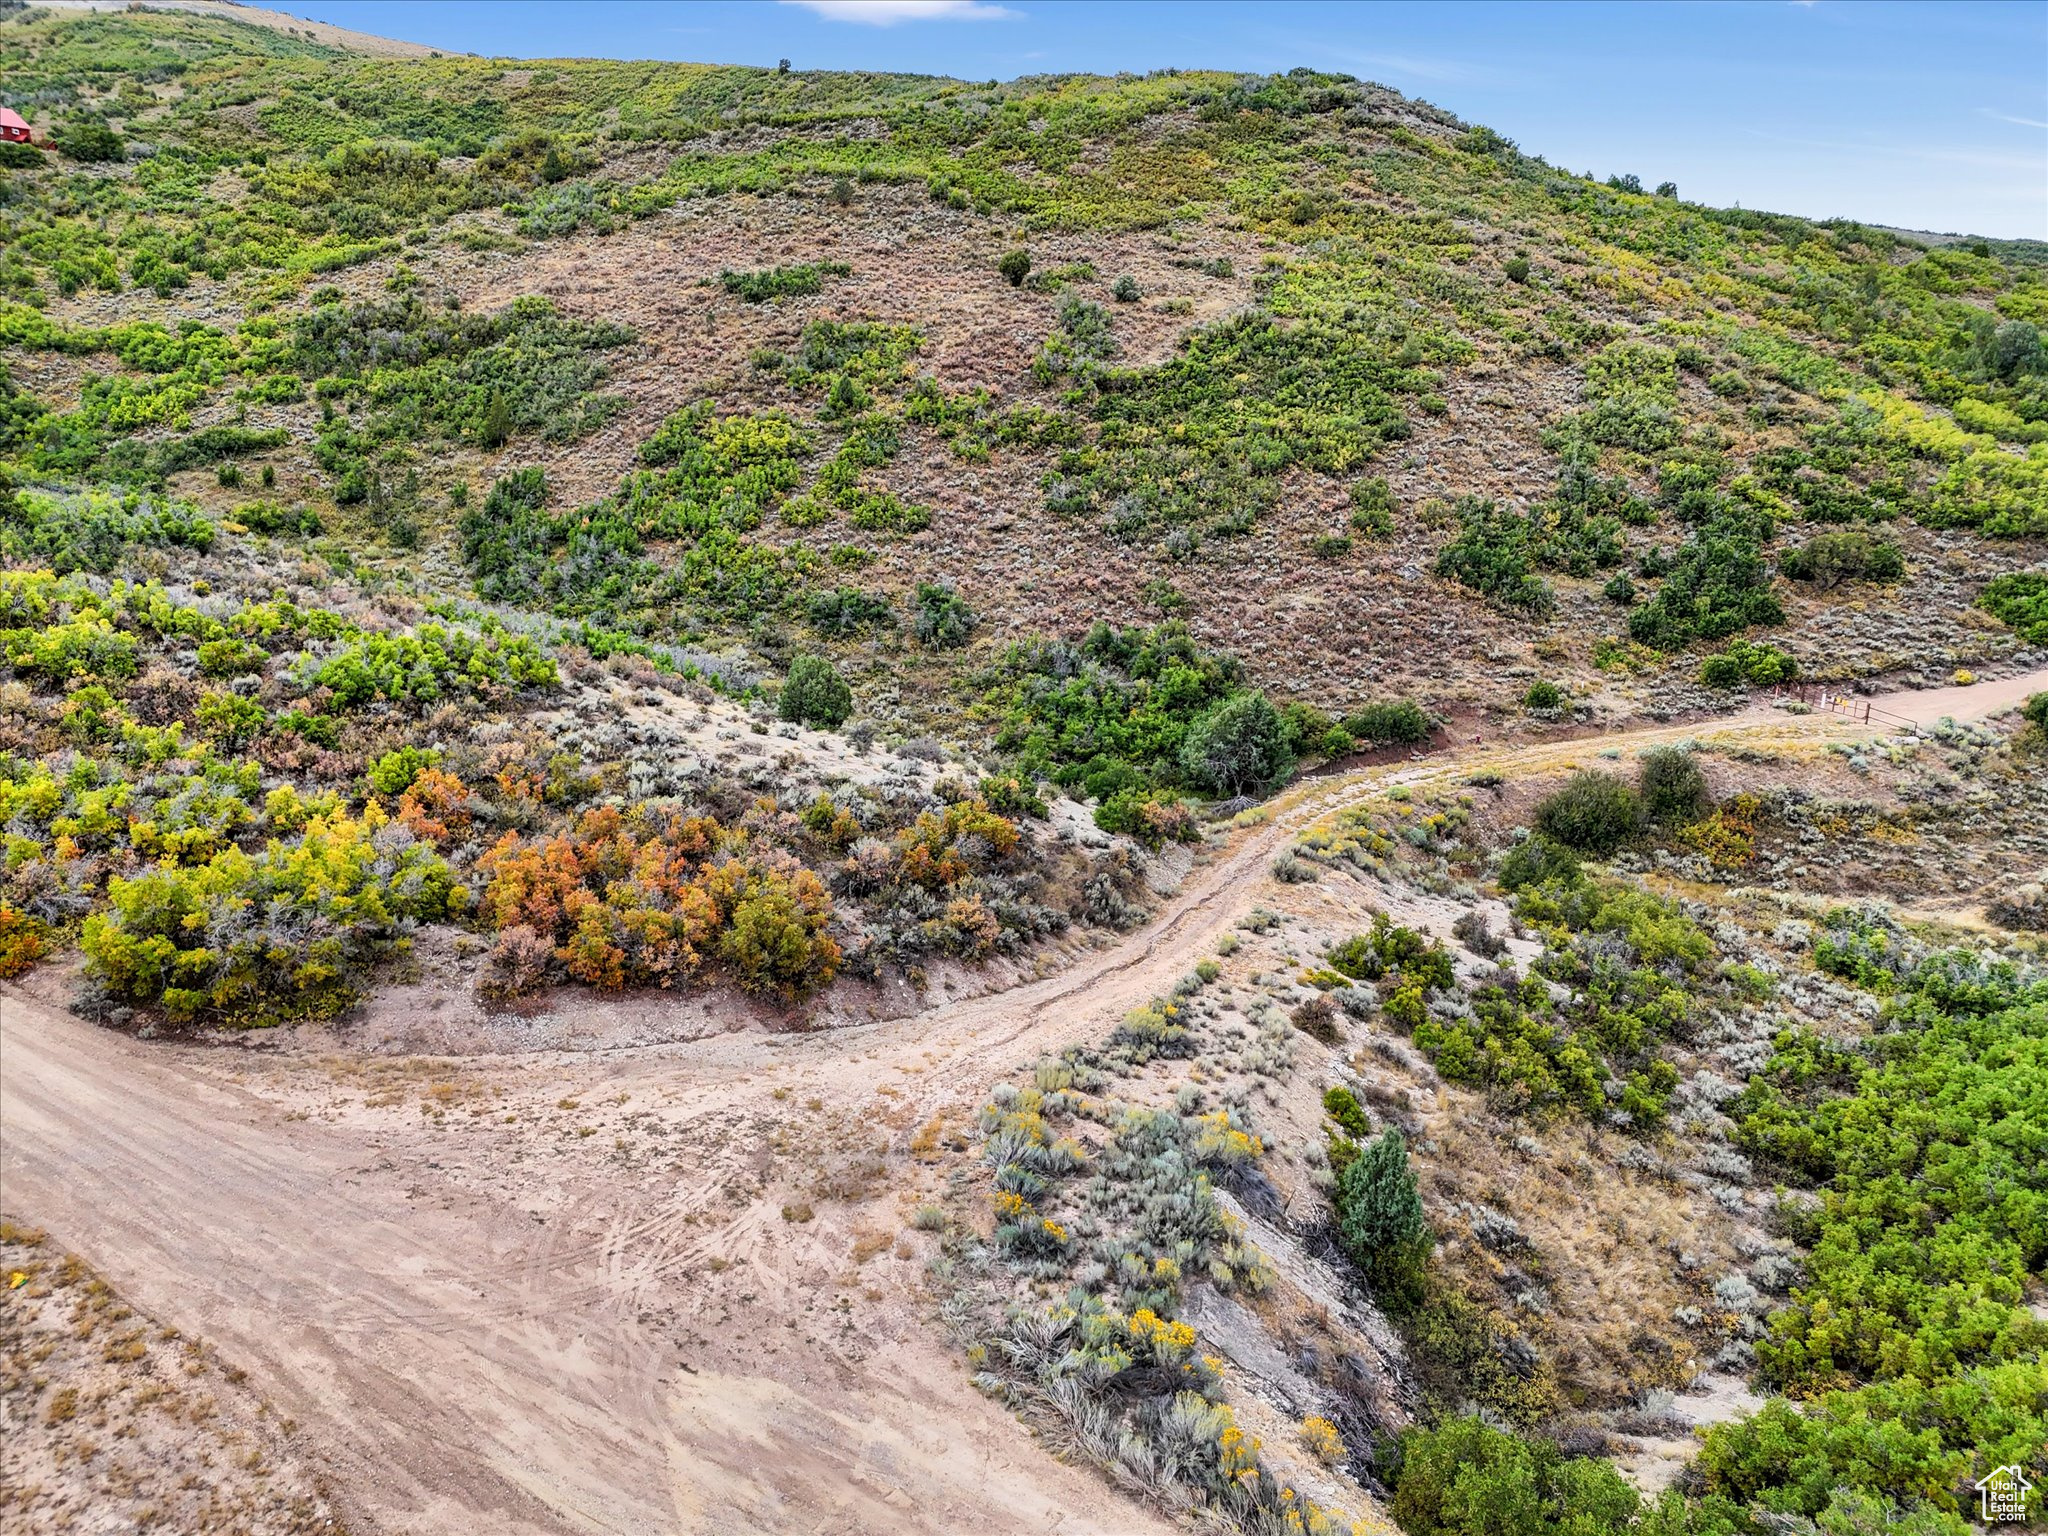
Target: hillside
(836, 762)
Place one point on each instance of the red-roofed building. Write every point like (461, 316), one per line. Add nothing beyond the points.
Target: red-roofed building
(13, 129)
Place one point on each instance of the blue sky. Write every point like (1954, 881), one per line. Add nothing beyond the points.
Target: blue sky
(1927, 116)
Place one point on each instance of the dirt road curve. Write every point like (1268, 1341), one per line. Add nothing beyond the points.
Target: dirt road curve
(544, 1334)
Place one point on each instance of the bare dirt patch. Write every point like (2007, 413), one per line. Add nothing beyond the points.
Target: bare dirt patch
(114, 1421)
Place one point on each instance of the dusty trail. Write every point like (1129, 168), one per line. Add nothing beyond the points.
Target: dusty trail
(604, 1344)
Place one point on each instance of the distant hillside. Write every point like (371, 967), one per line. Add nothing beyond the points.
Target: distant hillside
(1152, 437)
(2027, 252)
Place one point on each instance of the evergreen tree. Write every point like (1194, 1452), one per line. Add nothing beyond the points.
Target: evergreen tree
(1380, 1222)
(815, 694)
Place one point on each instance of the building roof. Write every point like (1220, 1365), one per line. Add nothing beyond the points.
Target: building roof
(9, 118)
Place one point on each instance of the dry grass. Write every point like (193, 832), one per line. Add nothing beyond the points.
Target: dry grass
(117, 1423)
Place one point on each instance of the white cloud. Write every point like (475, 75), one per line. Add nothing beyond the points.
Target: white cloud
(886, 13)
(2006, 117)
(1437, 70)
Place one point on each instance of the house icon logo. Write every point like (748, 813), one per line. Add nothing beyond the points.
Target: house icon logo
(2002, 1496)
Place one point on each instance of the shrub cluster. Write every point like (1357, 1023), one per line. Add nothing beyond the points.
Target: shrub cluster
(1828, 559)
(1624, 960)
(646, 899)
(2020, 599)
(710, 481)
(1594, 813)
(1750, 663)
(1715, 586)
(781, 282)
(1202, 440)
(288, 932)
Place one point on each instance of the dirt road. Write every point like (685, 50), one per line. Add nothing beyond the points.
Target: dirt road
(566, 1293)
(1966, 701)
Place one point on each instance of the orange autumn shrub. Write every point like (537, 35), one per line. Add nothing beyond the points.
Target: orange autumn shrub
(634, 898)
(23, 941)
(435, 806)
(972, 927)
(775, 912)
(834, 827)
(624, 938)
(939, 850)
(530, 882)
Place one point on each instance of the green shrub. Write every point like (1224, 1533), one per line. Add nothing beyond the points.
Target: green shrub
(269, 517)
(1933, 1207)
(1543, 695)
(230, 719)
(1111, 714)
(774, 937)
(1238, 747)
(1394, 722)
(1125, 289)
(1468, 1356)
(288, 933)
(1204, 439)
(1717, 584)
(1673, 788)
(1372, 508)
(1342, 1106)
(1083, 341)
(1391, 950)
(1867, 1463)
(814, 694)
(781, 282)
(2020, 599)
(848, 610)
(1594, 813)
(1594, 1050)
(1305, 727)
(422, 374)
(1536, 860)
(1013, 796)
(940, 617)
(1758, 666)
(1466, 1478)
(393, 773)
(1380, 1224)
(1015, 267)
(209, 445)
(1517, 269)
(230, 657)
(1828, 559)
(90, 530)
(507, 541)
(2003, 495)
(89, 143)
(1493, 554)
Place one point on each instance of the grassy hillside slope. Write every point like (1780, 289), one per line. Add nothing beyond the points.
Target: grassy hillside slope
(1152, 436)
